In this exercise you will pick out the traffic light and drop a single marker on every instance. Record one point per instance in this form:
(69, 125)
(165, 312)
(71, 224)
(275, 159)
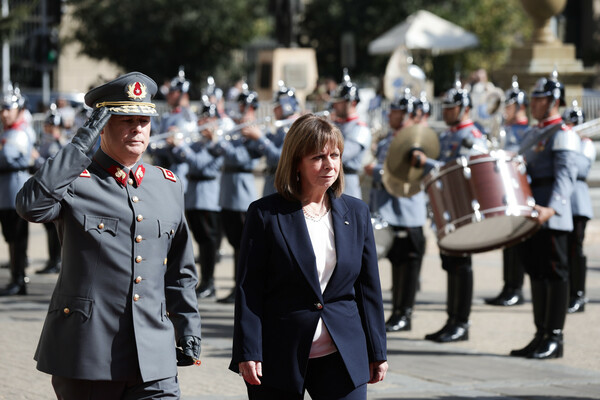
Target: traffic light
(45, 48)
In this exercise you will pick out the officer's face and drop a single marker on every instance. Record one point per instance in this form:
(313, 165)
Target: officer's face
(396, 118)
(9, 116)
(341, 108)
(450, 114)
(510, 113)
(539, 106)
(125, 138)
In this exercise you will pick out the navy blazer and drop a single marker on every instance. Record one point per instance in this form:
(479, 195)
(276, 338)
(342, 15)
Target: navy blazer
(279, 300)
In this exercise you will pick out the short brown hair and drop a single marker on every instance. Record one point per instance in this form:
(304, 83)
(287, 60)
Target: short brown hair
(309, 134)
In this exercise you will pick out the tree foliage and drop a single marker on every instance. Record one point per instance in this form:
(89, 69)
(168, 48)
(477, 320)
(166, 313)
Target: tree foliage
(157, 36)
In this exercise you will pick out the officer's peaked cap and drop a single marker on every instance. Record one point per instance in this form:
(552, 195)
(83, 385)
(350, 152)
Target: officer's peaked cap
(129, 94)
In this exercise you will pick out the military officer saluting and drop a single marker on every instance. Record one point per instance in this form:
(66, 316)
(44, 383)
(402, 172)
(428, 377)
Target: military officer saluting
(357, 135)
(125, 294)
(550, 150)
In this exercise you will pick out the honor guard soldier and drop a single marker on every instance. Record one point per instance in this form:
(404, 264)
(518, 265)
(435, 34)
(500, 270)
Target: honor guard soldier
(202, 194)
(357, 135)
(405, 215)
(51, 141)
(461, 139)
(180, 120)
(516, 124)
(286, 110)
(582, 212)
(238, 188)
(15, 157)
(125, 293)
(550, 150)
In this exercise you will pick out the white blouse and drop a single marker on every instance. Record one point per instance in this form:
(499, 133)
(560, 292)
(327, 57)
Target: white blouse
(323, 243)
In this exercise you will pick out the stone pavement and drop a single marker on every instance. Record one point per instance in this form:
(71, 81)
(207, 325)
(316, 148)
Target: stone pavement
(475, 369)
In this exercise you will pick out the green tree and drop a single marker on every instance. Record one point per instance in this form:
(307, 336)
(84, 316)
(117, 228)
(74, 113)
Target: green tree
(157, 36)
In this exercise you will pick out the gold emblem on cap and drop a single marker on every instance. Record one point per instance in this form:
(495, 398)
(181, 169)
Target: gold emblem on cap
(136, 91)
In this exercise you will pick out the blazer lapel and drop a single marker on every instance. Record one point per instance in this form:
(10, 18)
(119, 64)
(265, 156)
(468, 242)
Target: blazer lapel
(293, 228)
(343, 231)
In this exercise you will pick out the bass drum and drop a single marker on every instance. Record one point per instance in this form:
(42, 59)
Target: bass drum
(481, 203)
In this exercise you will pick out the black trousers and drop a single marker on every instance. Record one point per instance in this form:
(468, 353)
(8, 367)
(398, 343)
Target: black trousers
(80, 389)
(233, 225)
(545, 255)
(206, 228)
(326, 379)
(16, 233)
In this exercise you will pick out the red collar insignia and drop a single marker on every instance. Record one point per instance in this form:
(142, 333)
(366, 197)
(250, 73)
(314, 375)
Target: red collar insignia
(462, 125)
(119, 175)
(550, 121)
(139, 174)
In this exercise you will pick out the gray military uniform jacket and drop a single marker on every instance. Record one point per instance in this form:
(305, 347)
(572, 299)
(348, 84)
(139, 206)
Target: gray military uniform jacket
(357, 139)
(125, 292)
(15, 155)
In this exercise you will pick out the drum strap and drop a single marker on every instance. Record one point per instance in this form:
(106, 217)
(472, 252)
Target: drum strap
(526, 145)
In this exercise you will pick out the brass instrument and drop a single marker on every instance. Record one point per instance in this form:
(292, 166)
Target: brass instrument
(589, 129)
(159, 141)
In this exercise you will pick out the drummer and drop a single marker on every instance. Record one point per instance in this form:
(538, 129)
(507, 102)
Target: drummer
(462, 138)
(550, 150)
(405, 215)
(516, 124)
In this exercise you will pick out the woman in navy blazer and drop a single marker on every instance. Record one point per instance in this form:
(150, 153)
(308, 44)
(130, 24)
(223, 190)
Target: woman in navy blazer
(309, 311)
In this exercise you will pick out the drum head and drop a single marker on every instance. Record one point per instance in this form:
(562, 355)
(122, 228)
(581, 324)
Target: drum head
(488, 234)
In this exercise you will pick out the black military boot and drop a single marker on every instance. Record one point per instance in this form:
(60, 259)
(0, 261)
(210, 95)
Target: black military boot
(551, 345)
(577, 274)
(507, 297)
(405, 278)
(449, 299)
(207, 259)
(538, 300)
(17, 271)
(457, 328)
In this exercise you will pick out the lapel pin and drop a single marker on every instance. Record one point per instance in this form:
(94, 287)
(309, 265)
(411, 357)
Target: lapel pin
(346, 222)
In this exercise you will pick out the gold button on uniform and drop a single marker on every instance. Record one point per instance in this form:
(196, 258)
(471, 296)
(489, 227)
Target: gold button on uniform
(139, 218)
(66, 310)
(165, 262)
(172, 231)
(135, 199)
(138, 259)
(136, 297)
(130, 181)
(100, 225)
(138, 279)
(138, 238)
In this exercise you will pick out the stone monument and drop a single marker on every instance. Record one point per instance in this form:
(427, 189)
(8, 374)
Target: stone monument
(544, 53)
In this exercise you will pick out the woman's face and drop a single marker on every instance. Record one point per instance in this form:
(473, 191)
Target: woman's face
(319, 170)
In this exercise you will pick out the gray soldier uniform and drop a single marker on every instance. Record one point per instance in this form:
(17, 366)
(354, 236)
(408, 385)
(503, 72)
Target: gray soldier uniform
(270, 146)
(125, 292)
(580, 200)
(452, 146)
(514, 135)
(357, 139)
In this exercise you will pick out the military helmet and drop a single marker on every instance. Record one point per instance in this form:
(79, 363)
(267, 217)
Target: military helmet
(179, 83)
(286, 98)
(347, 90)
(574, 114)
(53, 117)
(405, 102)
(550, 87)
(12, 98)
(248, 97)
(515, 94)
(457, 96)
(212, 90)
(421, 103)
(208, 109)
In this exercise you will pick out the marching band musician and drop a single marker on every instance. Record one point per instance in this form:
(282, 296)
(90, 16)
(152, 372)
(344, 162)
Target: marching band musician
(516, 124)
(238, 189)
(582, 212)
(357, 135)
(51, 141)
(461, 139)
(15, 156)
(202, 210)
(550, 150)
(285, 108)
(180, 120)
(405, 215)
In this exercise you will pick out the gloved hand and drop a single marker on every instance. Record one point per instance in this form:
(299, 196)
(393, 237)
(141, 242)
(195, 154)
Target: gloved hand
(87, 135)
(188, 352)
